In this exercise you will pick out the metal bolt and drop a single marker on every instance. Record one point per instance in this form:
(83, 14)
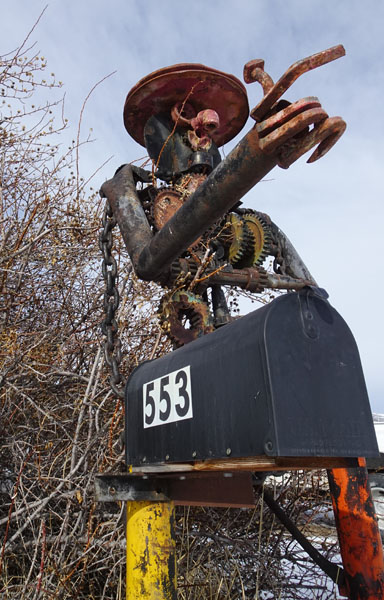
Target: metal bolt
(228, 451)
(268, 446)
(251, 65)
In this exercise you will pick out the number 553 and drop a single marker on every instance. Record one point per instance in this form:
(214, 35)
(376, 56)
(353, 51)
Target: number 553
(167, 399)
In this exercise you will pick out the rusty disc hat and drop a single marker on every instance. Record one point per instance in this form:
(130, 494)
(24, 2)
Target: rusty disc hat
(200, 86)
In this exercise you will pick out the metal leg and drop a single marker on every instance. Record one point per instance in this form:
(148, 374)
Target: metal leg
(151, 559)
(359, 535)
(219, 306)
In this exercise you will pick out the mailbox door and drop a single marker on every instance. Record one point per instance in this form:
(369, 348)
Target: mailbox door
(318, 394)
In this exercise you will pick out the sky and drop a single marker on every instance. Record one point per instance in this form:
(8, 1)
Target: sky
(332, 209)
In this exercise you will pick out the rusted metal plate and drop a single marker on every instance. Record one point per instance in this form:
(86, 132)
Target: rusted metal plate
(213, 489)
(191, 489)
(165, 205)
(128, 488)
(202, 87)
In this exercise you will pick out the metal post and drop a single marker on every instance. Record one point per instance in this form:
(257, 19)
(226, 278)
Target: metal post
(359, 536)
(151, 558)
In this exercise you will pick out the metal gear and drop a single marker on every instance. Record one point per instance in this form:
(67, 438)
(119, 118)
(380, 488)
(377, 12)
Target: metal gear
(180, 310)
(247, 239)
(188, 183)
(237, 238)
(166, 203)
(260, 247)
(164, 206)
(236, 234)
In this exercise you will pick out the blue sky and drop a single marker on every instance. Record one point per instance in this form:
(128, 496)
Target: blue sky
(332, 209)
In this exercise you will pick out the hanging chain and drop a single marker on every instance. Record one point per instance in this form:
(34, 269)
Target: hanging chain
(109, 327)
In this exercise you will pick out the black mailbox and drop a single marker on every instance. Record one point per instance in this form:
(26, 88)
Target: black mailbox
(284, 380)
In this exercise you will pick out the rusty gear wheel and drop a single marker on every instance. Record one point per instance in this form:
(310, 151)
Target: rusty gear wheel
(188, 183)
(246, 239)
(184, 317)
(237, 236)
(165, 205)
(259, 248)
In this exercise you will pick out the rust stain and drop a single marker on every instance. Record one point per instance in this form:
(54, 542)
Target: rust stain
(359, 535)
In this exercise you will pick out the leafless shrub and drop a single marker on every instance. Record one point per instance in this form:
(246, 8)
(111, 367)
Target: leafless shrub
(59, 420)
(236, 554)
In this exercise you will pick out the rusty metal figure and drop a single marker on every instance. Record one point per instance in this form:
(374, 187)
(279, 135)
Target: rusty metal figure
(191, 235)
(191, 231)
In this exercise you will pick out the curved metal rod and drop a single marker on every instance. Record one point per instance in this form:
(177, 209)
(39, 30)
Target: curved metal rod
(294, 126)
(298, 68)
(293, 265)
(326, 134)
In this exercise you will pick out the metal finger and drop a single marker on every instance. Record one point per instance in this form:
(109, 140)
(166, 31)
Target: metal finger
(298, 68)
(285, 114)
(294, 126)
(326, 134)
(254, 71)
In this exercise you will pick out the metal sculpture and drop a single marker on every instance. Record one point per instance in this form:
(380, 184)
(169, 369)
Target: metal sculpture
(190, 233)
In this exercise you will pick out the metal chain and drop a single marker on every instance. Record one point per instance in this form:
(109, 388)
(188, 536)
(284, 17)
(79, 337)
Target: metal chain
(109, 327)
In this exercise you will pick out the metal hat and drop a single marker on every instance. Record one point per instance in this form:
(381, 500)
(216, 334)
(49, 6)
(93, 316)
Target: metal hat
(200, 86)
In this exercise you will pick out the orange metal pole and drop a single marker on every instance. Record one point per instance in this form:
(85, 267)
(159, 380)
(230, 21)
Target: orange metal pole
(359, 536)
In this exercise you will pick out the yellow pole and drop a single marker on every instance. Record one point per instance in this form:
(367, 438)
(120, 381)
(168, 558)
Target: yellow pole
(151, 558)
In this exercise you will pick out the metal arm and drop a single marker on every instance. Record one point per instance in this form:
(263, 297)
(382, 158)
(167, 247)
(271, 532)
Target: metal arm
(130, 216)
(152, 255)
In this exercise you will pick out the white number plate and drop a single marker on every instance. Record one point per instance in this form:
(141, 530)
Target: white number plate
(168, 398)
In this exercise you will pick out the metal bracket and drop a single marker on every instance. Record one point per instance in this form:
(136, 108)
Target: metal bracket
(190, 489)
(227, 489)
